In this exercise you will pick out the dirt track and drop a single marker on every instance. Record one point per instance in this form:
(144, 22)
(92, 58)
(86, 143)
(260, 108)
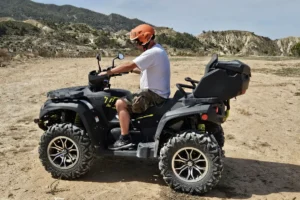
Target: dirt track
(262, 136)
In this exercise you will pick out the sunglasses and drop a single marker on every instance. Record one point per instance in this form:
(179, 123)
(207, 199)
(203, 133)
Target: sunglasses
(137, 42)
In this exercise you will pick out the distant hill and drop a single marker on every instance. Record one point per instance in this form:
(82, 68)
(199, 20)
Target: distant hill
(26, 9)
(238, 43)
(59, 40)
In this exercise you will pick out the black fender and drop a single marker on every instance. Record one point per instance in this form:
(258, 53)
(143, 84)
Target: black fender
(90, 118)
(198, 109)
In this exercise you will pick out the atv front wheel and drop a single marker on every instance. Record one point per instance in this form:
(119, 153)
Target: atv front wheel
(191, 162)
(66, 151)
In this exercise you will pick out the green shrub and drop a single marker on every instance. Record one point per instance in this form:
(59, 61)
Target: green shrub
(180, 41)
(84, 40)
(17, 28)
(104, 41)
(296, 49)
(65, 37)
(4, 57)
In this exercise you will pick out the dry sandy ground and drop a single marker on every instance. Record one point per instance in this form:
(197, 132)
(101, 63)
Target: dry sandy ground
(262, 136)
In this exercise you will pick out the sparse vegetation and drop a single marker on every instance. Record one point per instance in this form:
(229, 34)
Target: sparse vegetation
(84, 40)
(264, 144)
(296, 49)
(180, 41)
(244, 112)
(289, 72)
(104, 41)
(17, 28)
(53, 188)
(4, 57)
(230, 137)
(285, 71)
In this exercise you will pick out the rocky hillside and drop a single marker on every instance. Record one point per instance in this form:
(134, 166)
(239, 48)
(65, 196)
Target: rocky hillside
(286, 44)
(34, 38)
(26, 9)
(245, 43)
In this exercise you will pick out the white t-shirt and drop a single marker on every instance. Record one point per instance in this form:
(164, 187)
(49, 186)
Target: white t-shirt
(155, 70)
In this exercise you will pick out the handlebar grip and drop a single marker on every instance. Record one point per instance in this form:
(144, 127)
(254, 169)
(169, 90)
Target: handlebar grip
(116, 75)
(181, 90)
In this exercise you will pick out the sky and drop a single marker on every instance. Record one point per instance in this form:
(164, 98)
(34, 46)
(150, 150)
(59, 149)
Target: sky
(271, 18)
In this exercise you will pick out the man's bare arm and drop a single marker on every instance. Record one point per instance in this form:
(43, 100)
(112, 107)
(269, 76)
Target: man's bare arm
(126, 67)
(136, 70)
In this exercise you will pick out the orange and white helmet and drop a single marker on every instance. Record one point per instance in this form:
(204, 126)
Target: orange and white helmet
(143, 33)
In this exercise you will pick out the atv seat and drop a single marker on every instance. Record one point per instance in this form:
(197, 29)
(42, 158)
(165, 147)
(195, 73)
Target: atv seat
(159, 109)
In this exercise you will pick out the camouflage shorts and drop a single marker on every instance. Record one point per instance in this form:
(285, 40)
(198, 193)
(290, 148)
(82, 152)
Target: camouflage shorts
(141, 101)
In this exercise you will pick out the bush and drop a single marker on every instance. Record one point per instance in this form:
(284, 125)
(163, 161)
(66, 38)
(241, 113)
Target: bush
(46, 53)
(104, 41)
(17, 28)
(296, 49)
(84, 40)
(4, 57)
(65, 37)
(180, 41)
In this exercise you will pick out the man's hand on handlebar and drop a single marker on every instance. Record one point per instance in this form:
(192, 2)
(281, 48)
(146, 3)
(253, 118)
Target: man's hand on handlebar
(103, 73)
(122, 69)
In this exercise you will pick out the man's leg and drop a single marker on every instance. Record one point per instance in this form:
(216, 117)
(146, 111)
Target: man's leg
(124, 142)
(124, 116)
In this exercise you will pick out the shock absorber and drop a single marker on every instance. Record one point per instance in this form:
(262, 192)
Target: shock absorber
(78, 122)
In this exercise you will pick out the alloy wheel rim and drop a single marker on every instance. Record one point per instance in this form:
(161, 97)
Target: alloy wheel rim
(63, 152)
(189, 164)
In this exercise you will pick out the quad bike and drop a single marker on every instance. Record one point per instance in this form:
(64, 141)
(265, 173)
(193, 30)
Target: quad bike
(184, 133)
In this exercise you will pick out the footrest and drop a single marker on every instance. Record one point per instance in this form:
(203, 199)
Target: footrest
(145, 150)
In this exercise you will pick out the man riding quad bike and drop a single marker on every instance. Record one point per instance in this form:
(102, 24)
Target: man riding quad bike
(184, 132)
(154, 66)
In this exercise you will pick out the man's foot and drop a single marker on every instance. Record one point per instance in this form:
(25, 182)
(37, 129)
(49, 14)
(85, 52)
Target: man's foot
(124, 142)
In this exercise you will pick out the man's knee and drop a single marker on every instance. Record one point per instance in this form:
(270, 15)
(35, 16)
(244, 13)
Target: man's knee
(121, 104)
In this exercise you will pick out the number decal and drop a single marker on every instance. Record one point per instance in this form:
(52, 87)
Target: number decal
(106, 98)
(110, 102)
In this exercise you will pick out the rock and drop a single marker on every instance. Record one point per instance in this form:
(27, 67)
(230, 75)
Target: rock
(17, 57)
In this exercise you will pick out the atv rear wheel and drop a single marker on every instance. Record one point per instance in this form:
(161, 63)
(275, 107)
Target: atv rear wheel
(66, 151)
(191, 162)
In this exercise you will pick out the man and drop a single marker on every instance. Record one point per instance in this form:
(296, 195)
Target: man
(154, 66)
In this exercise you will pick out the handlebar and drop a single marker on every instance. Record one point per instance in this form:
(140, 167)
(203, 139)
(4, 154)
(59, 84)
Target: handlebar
(120, 74)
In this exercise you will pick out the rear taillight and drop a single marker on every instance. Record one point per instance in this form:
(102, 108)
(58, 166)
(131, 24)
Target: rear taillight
(204, 117)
